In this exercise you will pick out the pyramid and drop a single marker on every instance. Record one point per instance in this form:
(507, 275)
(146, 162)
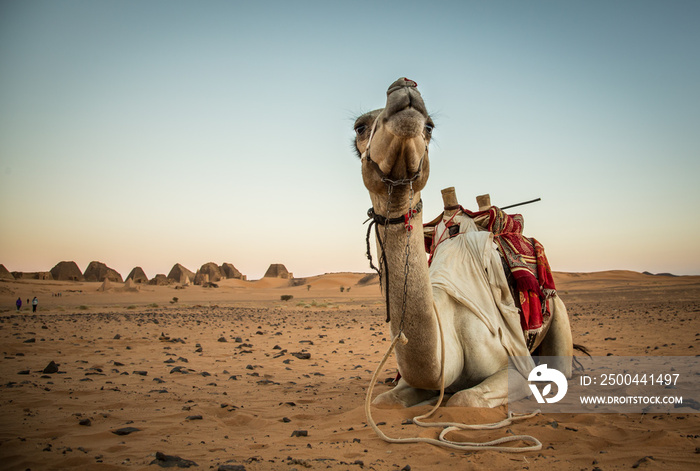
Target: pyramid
(130, 285)
(98, 271)
(5, 273)
(137, 275)
(209, 270)
(106, 285)
(178, 274)
(201, 278)
(229, 271)
(67, 271)
(277, 270)
(159, 280)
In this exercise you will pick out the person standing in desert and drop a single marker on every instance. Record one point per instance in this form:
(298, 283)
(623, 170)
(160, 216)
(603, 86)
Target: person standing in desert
(35, 303)
(19, 304)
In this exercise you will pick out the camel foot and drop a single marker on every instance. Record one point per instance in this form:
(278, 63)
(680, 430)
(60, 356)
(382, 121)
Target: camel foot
(472, 398)
(388, 400)
(403, 395)
(491, 392)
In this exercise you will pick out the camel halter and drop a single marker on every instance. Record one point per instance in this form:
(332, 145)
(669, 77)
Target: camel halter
(407, 84)
(389, 182)
(494, 445)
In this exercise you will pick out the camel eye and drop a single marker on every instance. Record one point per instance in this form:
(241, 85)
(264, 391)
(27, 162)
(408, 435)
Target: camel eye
(360, 129)
(429, 128)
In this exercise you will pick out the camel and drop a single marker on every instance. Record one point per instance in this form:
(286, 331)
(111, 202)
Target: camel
(393, 146)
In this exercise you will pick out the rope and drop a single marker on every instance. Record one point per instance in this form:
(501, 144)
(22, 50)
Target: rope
(494, 445)
(376, 220)
(382, 262)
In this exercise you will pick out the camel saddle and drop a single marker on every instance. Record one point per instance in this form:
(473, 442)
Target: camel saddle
(524, 262)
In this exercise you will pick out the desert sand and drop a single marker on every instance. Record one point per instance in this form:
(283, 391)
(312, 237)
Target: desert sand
(235, 378)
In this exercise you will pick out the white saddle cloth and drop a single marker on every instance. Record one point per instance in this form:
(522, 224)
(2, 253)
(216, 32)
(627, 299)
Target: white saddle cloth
(468, 268)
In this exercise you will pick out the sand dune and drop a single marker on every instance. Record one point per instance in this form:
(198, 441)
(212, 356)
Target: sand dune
(235, 376)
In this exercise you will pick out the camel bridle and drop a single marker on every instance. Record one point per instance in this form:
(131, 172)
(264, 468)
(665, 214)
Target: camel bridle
(388, 181)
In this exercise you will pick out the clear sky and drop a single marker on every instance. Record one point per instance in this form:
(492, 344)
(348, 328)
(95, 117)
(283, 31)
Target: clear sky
(155, 132)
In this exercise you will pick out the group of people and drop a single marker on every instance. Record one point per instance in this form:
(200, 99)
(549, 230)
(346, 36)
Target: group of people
(35, 303)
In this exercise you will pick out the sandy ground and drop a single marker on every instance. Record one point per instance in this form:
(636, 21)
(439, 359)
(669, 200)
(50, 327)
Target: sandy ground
(234, 378)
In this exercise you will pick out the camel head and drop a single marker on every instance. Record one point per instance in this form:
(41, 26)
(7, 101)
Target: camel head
(392, 142)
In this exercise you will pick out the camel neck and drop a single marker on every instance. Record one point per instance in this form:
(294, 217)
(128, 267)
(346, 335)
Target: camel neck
(405, 249)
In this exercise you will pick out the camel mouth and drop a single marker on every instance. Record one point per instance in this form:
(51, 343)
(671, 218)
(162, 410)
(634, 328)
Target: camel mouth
(407, 123)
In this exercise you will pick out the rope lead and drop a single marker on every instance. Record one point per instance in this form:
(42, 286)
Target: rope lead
(493, 445)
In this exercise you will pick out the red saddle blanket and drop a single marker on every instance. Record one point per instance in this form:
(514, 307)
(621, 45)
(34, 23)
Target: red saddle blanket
(524, 257)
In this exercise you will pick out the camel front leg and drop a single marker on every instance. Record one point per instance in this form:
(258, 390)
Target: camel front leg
(491, 392)
(403, 395)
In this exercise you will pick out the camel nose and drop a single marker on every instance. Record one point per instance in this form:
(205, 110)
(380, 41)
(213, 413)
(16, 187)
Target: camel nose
(403, 94)
(403, 82)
